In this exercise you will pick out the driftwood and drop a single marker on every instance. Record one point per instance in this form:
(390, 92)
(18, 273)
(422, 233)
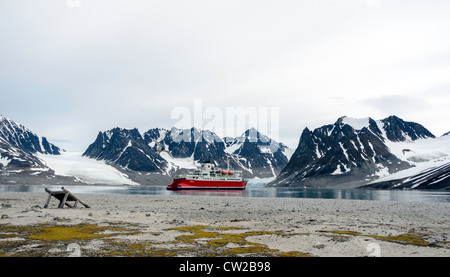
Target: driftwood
(64, 196)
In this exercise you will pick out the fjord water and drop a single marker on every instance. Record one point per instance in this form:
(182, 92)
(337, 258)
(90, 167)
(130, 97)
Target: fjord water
(252, 191)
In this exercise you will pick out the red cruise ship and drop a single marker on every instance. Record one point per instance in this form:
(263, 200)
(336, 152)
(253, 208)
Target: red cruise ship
(209, 177)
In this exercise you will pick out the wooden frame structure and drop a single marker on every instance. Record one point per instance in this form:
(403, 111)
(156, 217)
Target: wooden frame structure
(63, 196)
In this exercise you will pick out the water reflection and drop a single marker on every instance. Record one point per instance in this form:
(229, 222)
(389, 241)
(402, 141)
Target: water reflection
(358, 194)
(383, 195)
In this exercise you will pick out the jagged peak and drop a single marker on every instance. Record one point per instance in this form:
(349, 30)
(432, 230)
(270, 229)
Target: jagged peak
(5, 120)
(122, 132)
(393, 117)
(392, 126)
(254, 135)
(20, 136)
(193, 135)
(397, 129)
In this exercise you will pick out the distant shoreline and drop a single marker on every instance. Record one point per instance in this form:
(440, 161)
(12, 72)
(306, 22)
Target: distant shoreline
(250, 192)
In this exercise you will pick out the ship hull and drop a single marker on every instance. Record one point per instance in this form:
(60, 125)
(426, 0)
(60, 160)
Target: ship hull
(205, 184)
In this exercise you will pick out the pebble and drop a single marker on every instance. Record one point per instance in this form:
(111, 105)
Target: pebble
(433, 244)
(319, 246)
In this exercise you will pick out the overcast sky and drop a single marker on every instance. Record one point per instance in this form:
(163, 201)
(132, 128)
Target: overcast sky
(72, 68)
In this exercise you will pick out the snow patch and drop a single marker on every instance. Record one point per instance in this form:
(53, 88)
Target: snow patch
(356, 123)
(382, 171)
(344, 151)
(416, 169)
(177, 163)
(4, 161)
(265, 149)
(232, 148)
(421, 150)
(337, 171)
(87, 170)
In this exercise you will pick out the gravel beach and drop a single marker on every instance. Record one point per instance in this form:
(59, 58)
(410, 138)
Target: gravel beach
(201, 226)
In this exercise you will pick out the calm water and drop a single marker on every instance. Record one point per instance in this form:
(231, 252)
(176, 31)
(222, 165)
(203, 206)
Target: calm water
(384, 195)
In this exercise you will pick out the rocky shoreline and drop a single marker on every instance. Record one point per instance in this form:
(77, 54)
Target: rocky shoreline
(204, 226)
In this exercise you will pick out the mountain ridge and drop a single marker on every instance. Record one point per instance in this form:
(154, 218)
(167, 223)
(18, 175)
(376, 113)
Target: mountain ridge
(176, 149)
(389, 153)
(351, 152)
(18, 145)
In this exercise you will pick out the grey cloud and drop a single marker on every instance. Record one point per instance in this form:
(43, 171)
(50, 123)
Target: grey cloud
(395, 104)
(129, 63)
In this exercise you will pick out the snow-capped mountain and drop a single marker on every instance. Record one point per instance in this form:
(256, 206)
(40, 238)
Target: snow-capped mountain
(432, 176)
(72, 168)
(19, 146)
(254, 153)
(126, 148)
(352, 152)
(186, 148)
(28, 159)
(259, 154)
(388, 153)
(430, 160)
(168, 151)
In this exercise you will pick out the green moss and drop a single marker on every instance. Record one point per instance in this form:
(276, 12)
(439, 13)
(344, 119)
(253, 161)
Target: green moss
(52, 240)
(36, 240)
(411, 238)
(9, 231)
(5, 246)
(123, 248)
(68, 232)
(256, 250)
(197, 233)
(351, 233)
(217, 242)
(408, 238)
